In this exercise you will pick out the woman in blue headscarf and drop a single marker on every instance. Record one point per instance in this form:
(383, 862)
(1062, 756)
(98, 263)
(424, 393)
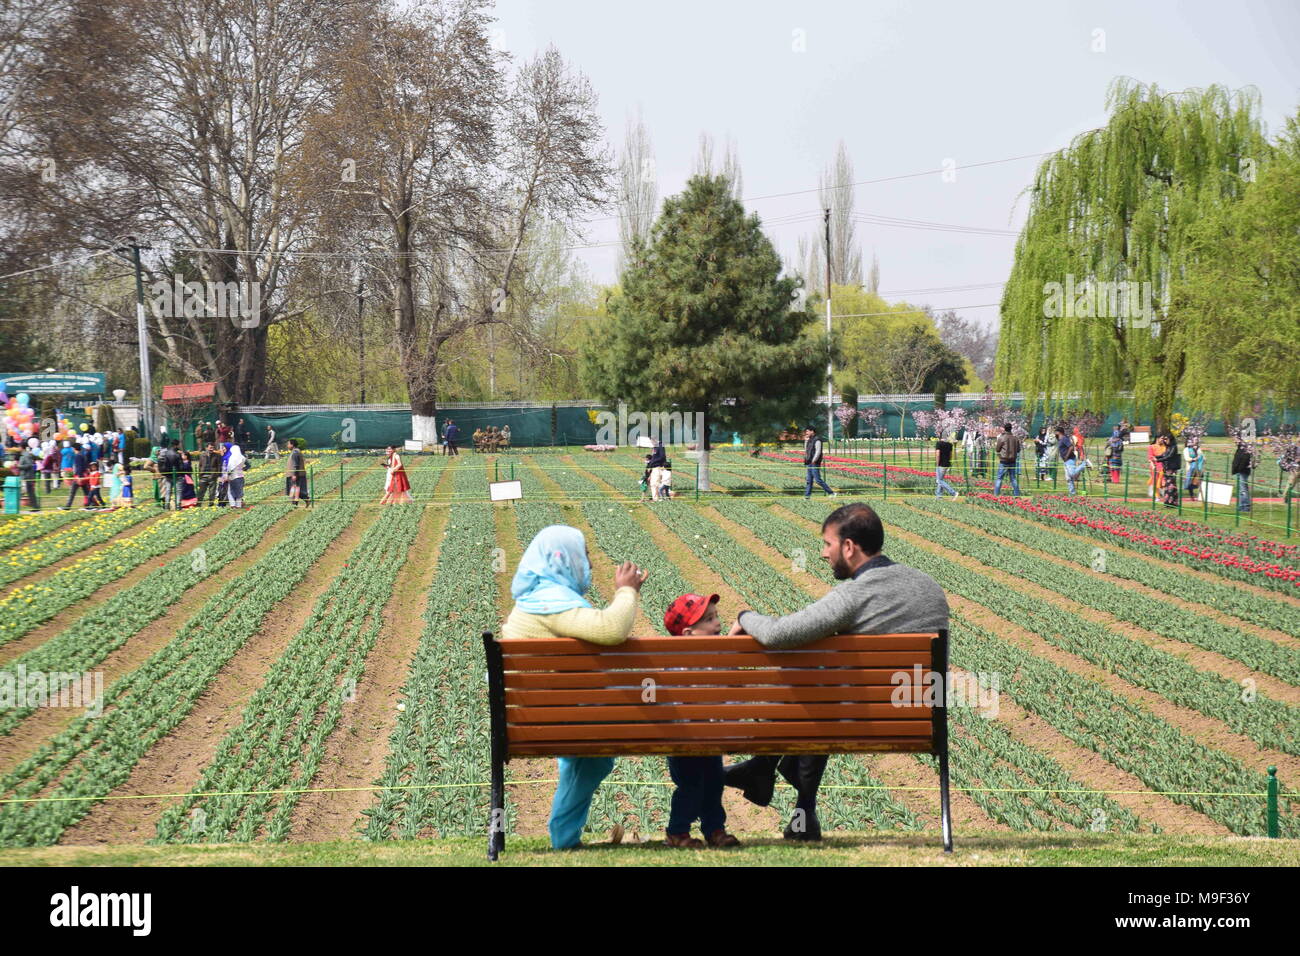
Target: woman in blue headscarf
(549, 587)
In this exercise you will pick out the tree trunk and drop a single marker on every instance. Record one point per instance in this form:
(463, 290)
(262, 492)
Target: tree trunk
(704, 446)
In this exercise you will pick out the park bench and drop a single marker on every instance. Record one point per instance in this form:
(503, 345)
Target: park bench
(688, 696)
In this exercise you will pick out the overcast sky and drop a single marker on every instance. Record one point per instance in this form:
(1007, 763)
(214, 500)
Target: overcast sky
(908, 87)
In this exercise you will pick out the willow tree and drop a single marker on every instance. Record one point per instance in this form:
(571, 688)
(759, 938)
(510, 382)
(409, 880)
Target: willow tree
(1087, 308)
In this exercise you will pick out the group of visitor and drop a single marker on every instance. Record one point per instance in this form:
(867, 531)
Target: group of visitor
(491, 439)
(874, 596)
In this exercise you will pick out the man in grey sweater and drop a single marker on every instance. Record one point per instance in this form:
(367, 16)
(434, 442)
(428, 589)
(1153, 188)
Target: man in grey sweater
(874, 596)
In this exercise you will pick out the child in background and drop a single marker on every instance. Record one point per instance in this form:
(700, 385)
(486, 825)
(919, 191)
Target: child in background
(115, 486)
(645, 479)
(94, 477)
(128, 498)
(697, 780)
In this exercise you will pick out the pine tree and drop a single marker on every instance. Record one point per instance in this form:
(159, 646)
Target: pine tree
(704, 323)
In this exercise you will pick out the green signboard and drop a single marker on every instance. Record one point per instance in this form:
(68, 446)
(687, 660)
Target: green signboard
(53, 383)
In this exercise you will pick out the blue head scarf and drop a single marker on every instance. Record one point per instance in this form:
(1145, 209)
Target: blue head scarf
(554, 573)
(225, 458)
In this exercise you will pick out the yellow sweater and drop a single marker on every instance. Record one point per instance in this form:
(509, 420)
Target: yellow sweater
(608, 626)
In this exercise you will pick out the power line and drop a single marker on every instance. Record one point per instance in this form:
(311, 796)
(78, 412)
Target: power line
(56, 265)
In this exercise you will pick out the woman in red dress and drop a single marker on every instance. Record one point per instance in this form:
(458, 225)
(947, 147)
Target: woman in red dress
(397, 487)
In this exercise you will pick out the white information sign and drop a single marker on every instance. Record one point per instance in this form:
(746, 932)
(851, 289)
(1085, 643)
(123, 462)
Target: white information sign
(505, 490)
(1217, 493)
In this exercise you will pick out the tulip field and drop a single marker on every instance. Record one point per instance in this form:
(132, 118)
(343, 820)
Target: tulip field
(275, 675)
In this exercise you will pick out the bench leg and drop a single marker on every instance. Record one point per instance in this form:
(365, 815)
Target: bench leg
(944, 809)
(497, 826)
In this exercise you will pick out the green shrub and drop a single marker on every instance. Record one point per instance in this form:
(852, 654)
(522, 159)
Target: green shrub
(140, 447)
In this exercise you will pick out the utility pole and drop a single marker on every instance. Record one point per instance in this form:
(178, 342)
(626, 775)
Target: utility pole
(361, 328)
(830, 409)
(142, 335)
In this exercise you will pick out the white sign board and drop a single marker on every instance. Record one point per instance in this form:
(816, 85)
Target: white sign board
(644, 441)
(505, 490)
(1139, 438)
(1217, 493)
(412, 445)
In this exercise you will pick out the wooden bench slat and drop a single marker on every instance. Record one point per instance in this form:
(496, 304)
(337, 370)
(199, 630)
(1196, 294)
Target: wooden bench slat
(782, 659)
(721, 677)
(839, 729)
(740, 642)
(696, 695)
(581, 748)
(659, 712)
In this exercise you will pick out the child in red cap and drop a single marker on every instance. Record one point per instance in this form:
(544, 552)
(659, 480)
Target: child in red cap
(698, 780)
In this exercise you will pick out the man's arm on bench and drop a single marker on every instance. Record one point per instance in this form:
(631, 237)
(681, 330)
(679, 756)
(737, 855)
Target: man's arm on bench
(833, 614)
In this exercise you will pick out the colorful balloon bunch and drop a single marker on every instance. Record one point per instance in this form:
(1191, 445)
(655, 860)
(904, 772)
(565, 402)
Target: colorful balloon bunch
(20, 420)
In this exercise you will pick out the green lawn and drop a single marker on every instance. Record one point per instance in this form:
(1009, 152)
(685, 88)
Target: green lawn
(847, 849)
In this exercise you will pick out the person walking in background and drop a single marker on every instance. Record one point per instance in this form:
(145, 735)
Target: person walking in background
(186, 498)
(942, 464)
(169, 462)
(94, 478)
(232, 469)
(1040, 449)
(298, 474)
(1152, 469)
(812, 462)
(78, 479)
(272, 452)
(50, 466)
(397, 487)
(1171, 462)
(1066, 452)
(128, 492)
(67, 458)
(209, 471)
(28, 465)
(1241, 467)
(453, 436)
(1115, 455)
(1008, 449)
(1195, 468)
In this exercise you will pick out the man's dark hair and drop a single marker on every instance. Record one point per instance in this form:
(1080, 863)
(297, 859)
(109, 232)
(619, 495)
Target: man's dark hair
(1060, 430)
(858, 523)
(1006, 427)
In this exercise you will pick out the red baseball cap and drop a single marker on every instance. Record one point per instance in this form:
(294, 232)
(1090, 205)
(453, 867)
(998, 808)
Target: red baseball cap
(686, 611)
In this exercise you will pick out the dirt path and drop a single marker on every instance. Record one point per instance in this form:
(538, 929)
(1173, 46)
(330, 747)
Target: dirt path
(1095, 772)
(355, 751)
(1205, 730)
(45, 722)
(176, 763)
(1205, 610)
